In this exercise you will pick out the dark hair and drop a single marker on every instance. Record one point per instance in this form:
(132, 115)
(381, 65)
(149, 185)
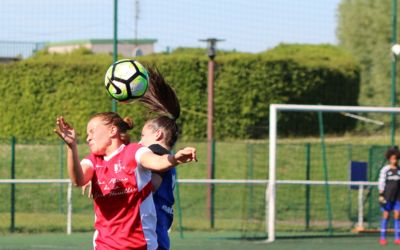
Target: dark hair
(392, 151)
(169, 127)
(160, 98)
(123, 125)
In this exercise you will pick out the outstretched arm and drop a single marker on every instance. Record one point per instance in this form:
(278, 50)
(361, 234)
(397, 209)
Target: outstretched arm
(79, 174)
(382, 179)
(155, 162)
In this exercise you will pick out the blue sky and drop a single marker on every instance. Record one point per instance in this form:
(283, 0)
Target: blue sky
(247, 25)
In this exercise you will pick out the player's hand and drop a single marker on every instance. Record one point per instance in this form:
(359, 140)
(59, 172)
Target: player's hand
(65, 131)
(185, 155)
(382, 199)
(88, 187)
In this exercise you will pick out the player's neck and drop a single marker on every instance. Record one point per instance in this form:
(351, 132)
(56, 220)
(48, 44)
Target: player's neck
(113, 147)
(164, 146)
(393, 166)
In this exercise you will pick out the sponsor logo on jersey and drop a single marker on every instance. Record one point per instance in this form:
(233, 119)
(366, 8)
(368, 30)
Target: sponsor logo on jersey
(118, 167)
(394, 178)
(115, 180)
(168, 210)
(115, 192)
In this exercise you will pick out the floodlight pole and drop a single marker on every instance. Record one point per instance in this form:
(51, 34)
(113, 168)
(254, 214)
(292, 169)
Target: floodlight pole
(115, 47)
(211, 45)
(393, 74)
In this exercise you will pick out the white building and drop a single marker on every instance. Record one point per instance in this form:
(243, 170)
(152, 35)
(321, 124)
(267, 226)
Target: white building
(126, 47)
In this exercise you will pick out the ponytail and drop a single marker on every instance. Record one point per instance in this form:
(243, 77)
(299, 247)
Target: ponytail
(124, 133)
(161, 99)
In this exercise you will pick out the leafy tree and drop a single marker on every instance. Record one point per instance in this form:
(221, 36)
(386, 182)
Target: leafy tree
(364, 29)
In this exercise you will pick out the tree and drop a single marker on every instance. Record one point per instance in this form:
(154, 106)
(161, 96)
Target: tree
(364, 29)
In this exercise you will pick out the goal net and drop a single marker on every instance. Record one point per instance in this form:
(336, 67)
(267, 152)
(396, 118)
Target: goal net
(310, 190)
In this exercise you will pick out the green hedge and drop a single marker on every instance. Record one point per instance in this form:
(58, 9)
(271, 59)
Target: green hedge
(36, 90)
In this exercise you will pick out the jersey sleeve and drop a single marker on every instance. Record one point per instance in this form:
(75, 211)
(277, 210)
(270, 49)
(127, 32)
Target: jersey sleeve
(382, 179)
(139, 153)
(89, 160)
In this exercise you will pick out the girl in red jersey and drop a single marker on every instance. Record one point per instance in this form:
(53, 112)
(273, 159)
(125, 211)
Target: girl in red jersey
(120, 173)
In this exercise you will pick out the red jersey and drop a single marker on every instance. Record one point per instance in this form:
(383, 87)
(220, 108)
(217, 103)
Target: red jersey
(123, 202)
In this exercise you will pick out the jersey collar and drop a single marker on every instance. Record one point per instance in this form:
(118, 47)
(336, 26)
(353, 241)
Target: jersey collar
(108, 157)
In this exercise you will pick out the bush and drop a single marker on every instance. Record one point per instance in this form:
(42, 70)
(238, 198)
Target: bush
(37, 90)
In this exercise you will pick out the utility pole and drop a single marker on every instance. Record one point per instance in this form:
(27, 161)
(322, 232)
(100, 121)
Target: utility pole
(211, 45)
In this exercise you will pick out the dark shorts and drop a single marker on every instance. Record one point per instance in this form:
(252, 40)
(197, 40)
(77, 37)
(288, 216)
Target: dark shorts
(390, 206)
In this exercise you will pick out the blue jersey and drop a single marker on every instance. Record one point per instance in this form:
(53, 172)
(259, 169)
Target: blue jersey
(164, 201)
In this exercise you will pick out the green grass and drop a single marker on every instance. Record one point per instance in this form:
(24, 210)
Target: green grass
(47, 222)
(192, 241)
(238, 208)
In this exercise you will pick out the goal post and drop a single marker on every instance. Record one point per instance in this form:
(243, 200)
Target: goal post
(273, 130)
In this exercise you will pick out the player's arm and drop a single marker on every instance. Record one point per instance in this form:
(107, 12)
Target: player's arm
(155, 162)
(382, 184)
(79, 174)
(382, 180)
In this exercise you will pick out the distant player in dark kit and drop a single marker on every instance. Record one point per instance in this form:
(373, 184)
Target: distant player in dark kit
(389, 194)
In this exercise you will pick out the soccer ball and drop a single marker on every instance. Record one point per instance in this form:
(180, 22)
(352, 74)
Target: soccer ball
(126, 80)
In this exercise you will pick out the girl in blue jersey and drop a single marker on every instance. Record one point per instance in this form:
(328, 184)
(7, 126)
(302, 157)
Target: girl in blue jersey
(163, 192)
(160, 134)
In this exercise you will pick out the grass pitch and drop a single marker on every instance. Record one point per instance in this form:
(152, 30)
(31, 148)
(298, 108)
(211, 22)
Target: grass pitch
(193, 241)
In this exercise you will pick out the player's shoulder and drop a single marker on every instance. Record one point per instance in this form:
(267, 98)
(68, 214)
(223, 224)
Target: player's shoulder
(91, 157)
(133, 146)
(385, 168)
(90, 160)
(158, 149)
(136, 149)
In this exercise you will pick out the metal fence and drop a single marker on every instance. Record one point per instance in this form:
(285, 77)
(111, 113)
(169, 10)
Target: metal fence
(239, 189)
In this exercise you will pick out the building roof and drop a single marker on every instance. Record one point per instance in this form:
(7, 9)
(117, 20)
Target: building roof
(103, 41)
